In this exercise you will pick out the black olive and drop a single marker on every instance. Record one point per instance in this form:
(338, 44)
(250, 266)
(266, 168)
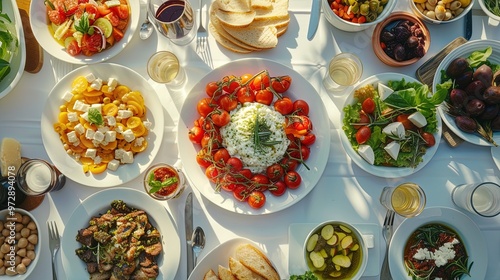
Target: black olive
(412, 42)
(386, 36)
(399, 53)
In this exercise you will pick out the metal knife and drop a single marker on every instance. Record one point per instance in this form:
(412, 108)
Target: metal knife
(314, 19)
(188, 223)
(468, 25)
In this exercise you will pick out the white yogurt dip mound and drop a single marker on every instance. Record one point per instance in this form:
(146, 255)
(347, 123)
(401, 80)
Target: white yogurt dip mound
(240, 140)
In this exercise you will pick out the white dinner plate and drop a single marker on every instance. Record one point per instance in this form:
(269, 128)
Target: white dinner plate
(39, 25)
(17, 63)
(464, 51)
(463, 225)
(125, 172)
(219, 256)
(97, 204)
(385, 171)
(300, 89)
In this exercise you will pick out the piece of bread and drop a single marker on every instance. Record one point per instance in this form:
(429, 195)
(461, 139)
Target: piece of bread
(10, 156)
(262, 37)
(235, 19)
(255, 260)
(262, 4)
(225, 273)
(228, 44)
(210, 275)
(278, 11)
(242, 272)
(240, 6)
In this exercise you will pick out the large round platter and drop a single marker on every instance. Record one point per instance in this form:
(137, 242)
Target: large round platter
(96, 204)
(219, 256)
(126, 172)
(300, 89)
(39, 25)
(464, 51)
(384, 171)
(469, 232)
(18, 61)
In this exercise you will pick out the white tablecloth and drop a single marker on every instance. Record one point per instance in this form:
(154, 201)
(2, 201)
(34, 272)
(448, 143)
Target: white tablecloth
(344, 191)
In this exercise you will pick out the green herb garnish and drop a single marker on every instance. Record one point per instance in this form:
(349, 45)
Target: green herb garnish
(308, 275)
(47, 2)
(262, 135)
(158, 185)
(95, 117)
(83, 24)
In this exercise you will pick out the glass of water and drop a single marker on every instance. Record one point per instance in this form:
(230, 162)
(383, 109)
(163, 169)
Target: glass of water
(479, 198)
(164, 67)
(344, 70)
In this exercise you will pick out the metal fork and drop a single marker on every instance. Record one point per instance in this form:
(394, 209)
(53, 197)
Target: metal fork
(54, 243)
(387, 230)
(202, 47)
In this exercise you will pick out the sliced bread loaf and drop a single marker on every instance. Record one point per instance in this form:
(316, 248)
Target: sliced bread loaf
(255, 260)
(278, 11)
(235, 19)
(210, 275)
(228, 44)
(262, 37)
(242, 272)
(240, 6)
(225, 273)
(262, 4)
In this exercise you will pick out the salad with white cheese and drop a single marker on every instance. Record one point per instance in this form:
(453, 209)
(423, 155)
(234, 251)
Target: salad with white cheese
(9, 43)
(392, 124)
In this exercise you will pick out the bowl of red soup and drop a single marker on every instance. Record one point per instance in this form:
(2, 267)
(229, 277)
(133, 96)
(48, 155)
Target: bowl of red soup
(163, 182)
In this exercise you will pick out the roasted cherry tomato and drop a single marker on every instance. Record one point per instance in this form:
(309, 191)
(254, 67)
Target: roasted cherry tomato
(256, 199)
(205, 106)
(308, 139)
(300, 107)
(260, 82)
(281, 84)
(203, 158)
(244, 95)
(234, 164)
(240, 193)
(228, 182)
(264, 96)
(363, 134)
(278, 188)
(368, 105)
(284, 106)
(363, 120)
(212, 173)
(245, 78)
(228, 102)
(196, 134)
(231, 86)
(221, 156)
(213, 89)
(292, 179)
(429, 139)
(275, 172)
(220, 117)
(260, 182)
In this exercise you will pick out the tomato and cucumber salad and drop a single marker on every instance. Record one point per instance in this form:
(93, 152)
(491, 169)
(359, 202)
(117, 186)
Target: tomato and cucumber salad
(392, 125)
(228, 170)
(87, 26)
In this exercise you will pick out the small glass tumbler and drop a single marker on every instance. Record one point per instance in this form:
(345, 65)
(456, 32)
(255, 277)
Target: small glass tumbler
(407, 199)
(164, 67)
(174, 19)
(479, 198)
(164, 182)
(344, 70)
(37, 177)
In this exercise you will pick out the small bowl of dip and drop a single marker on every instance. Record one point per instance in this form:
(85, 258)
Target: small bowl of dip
(163, 181)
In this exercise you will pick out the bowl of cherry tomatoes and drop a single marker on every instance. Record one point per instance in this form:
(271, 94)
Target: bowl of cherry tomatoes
(253, 145)
(359, 15)
(84, 31)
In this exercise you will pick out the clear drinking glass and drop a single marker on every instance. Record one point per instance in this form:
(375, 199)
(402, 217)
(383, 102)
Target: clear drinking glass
(344, 70)
(37, 177)
(407, 199)
(164, 67)
(174, 19)
(479, 198)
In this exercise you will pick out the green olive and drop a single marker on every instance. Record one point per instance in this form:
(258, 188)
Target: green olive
(355, 8)
(364, 9)
(374, 5)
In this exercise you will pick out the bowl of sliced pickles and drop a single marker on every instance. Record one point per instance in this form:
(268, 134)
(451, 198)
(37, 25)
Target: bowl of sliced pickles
(336, 250)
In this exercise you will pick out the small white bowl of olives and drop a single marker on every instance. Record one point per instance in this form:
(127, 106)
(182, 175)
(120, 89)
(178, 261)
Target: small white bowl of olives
(19, 243)
(336, 250)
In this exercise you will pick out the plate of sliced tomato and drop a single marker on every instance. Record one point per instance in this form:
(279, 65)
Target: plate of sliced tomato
(226, 176)
(84, 31)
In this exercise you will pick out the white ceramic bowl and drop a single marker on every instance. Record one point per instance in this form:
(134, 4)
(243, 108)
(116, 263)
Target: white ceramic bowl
(425, 18)
(4, 214)
(354, 27)
(464, 51)
(362, 246)
(494, 19)
(39, 25)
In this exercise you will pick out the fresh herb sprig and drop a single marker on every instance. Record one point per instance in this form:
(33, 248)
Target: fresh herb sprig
(157, 185)
(308, 275)
(262, 135)
(95, 117)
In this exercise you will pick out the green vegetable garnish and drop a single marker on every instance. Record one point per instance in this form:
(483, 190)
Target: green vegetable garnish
(95, 117)
(47, 2)
(308, 275)
(158, 185)
(8, 43)
(83, 24)
(261, 135)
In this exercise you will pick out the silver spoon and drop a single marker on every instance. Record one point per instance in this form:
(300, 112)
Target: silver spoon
(197, 242)
(146, 28)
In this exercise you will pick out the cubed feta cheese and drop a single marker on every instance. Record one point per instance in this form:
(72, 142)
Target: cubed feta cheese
(80, 106)
(96, 84)
(128, 135)
(67, 96)
(138, 142)
(89, 134)
(113, 164)
(91, 153)
(72, 116)
(418, 119)
(90, 77)
(147, 124)
(123, 114)
(72, 136)
(112, 3)
(98, 136)
(111, 120)
(112, 83)
(80, 129)
(128, 157)
(119, 153)
(366, 152)
(103, 129)
(393, 149)
(384, 91)
(110, 136)
(97, 159)
(97, 106)
(395, 129)
(85, 116)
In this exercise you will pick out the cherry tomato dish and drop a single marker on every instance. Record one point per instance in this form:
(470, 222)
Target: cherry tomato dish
(252, 136)
(87, 26)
